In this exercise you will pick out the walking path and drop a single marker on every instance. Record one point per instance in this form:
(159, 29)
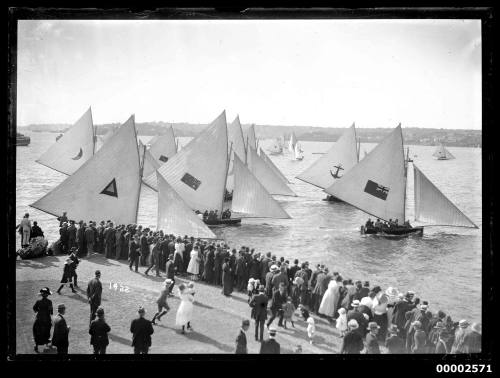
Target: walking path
(216, 318)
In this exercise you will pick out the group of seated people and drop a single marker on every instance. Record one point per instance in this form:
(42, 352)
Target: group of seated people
(391, 224)
(213, 215)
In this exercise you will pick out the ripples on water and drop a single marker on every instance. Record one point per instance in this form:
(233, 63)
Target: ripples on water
(443, 266)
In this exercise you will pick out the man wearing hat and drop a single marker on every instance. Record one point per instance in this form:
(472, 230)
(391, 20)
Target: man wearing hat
(352, 342)
(100, 237)
(109, 240)
(64, 237)
(134, 253)
(163, 307)
(155, 257)
(270, 346)
(43, 322)
(94, 292)
(394, 343)
(61, 331)
(259, 312)
(99, 333)
(62, 219)
(80, 239)
(269, 278)
(279, 298)
(67, 275)
(141, 330)
(90, 238)
(371, 341)
(71, 234)
(170, 271)
(399, 311)
(76, 261)
(241, 339)
(144, 248)
(357, 315)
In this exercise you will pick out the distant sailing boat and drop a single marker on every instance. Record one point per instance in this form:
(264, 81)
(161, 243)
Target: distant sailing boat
(291, 143)
(251, 137)
(198, 173)
(161, 148)
(297, 152)
(377, 186)
(73, 148)
(107, 186)
(237, 146)
(334, 164)
(442, 153)
(273, 167)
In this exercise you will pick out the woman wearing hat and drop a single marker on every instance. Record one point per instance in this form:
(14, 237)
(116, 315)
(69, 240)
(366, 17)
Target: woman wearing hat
(227, 278)
(67, 275)
(185, 310)
(43, 322)
(352, 342)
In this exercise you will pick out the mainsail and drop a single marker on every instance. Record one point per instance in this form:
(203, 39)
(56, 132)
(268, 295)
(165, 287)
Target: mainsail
(164, 146)
(271, 165)
(273, 183)
(339, 159)
(235, 139)
(432, 206)
(198, 171)
(297, 152)
(250, 197)
(377, 183)
(292, 142)
(442, 153)
(150, 163)
(73, 149)
(174, 215)
(107, 186)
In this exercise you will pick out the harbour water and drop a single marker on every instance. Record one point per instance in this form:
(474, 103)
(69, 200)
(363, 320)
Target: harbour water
(442, 267)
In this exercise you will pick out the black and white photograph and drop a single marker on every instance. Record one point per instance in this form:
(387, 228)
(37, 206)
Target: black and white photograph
(194, 185)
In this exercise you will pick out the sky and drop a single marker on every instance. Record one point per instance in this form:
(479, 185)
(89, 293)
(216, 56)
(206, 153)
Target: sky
(326, 73)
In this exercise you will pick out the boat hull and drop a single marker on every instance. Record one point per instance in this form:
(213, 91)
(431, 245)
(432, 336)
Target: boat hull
(332, 199)
(23, 141)
(418, 231)
(223, 222)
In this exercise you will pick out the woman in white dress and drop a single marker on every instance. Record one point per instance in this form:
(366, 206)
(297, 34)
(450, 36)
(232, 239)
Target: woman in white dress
(185, 310)
(329, 303)
(25, 230)
(194, 263)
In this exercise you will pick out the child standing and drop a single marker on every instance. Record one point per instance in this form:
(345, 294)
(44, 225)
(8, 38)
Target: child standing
(311, 329)
(342, 322)
(288, 311)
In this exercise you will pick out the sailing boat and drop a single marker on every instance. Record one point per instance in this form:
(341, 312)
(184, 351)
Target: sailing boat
(251, 137)
(298, 153)
(198, 173)
(334, 164)
(291, 143)
(107, 186)
(273, 167)
(377, 186)
(73, 149)
(237, 145)
(442, 153)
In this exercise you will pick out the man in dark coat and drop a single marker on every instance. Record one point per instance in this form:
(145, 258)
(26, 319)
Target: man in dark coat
(363, 291)
(155, 258)
(94, 293)
(62, 219)
(133, 253)
(109, 241)
(352, 342)
(291, 273)
(170, 271)
(270, 346)
(164, 252)
(394, 343)
(254, 268)
(64, 238)
(319, 290)
(241, 283)
(268, 281)
(356, 314)
(241, 339)
(144, 248)
(80, 240)
(36, 231)
(264, 266)
(99, 333)
(61, 331)
(186, 255)
(281, 278)
(218, 261)
(141, 330)
(278, 300)
(259, 312)
(398, 314)
(208, 270)
(90, 238)
(71, 235)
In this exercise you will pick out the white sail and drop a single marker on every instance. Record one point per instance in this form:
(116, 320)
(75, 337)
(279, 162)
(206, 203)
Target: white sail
(198, 171)
(339, 159)
(163, 147)
(377, 183)
(442, 153)
(250, 197)
(106, 187)
(273, 183)
(297, 152)
(292, 142)
(150, 163)
(237, 144)
(73, 149)
(432, 206)
(251, 139)
(271, 165)
(174, 215)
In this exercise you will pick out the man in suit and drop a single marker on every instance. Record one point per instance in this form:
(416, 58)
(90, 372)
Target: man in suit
(64, 238)
(264, 266)
(371, 340)
(99, 333)
(61, 331)
(170, 271)
(133, 253)
(278, 300)
(62, 219)
(94, 292)
(80, 239)
(291, 274)
(141, 330)
(90, 238)
(270, 346)
(144, 248)
(71, 235)
(356, 314)
(319, 289)
(241, 284)
(281, 278)
(109, 240)
(259, 312)
(241, 339)
(100, 237)
(353, 341)
(155, 258)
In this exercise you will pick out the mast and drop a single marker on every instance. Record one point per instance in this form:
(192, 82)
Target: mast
(405, 165)
(225, 180)
(141, 169)
(94, 137)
